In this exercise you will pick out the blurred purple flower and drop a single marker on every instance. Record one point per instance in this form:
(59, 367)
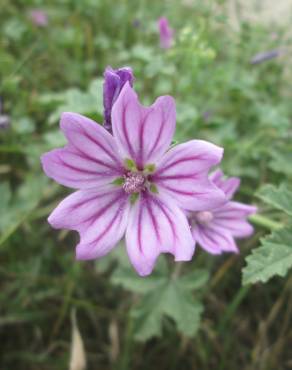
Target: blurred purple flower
(165, 33)
(265, 56)
(137, 23)
(207, 115)
(216, 229)
(39, 17)
(4, 122)
(4, 119)
(114, 80)
(131, 183)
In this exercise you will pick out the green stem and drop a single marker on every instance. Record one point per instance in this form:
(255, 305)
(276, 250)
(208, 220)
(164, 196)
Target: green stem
(265, 222)
(125, 359)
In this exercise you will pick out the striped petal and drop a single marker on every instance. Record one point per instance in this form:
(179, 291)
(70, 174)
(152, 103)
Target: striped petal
(183, 174)
(99, 217)
(214, 239)
(143, 134)
(229, 186)
(232, 217)
(157, 226)
(90, 158)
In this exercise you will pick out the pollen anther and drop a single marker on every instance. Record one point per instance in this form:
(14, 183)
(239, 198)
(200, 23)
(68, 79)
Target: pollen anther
(134, 182)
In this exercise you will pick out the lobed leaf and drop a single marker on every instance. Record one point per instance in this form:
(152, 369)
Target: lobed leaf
(274, 257)
(280, 197)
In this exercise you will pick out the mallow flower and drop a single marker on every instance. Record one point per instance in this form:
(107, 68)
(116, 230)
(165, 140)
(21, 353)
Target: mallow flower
(216, 229)
(165, 33)
(39, 17)
(133, 182)
(4, 119)
(114, 81)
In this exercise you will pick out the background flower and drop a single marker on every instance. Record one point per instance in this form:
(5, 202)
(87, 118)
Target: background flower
(165, 33)
(216, 229)
(114, 80)
(39, 17)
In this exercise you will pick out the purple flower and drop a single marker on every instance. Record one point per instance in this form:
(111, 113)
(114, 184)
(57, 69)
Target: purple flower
(39, 17)
(131, 182)
(136, 23)
(165, 32)
(4, 119)
(265, 56)
(114, 80)
(216, 229)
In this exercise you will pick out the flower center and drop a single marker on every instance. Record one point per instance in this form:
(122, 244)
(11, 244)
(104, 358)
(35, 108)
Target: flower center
(134, 182)
(204, 217)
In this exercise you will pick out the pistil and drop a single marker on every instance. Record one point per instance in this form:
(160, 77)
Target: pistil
(134, 182)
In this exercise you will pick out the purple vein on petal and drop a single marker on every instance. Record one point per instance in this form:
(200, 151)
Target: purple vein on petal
(139, 228)
(88, 172)
(95, 141)
(152, 217)
(140, 158)
(178, 161)
(101, 211)
(131, 150)
(110, 224)
(157, 137)
(174, 177)
(183, 192)
(161, 207)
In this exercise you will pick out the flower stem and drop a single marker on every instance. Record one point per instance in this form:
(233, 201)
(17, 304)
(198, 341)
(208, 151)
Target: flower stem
(265, 222)
(125, 358)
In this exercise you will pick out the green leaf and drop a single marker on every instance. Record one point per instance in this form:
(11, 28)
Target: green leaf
(128, 278)
(14, 213)
(164, 295)
(281, 161)
(5, 196)
(195, 279)
(274, 257)
(280, 197)
(170, 298)
(75, 100)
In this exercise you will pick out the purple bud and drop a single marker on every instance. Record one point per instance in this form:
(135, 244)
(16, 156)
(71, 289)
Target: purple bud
(114, 80)
(165, 33)
(136, 23)
(39, 17)
(207, 115)
(264, 56)
(4, 122)
(4, 119)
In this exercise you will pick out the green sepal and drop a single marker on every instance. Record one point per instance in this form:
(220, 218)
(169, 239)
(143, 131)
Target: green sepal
(119, 181)
(130, 164)
(134, 197)
(150, 167)
(153, 188)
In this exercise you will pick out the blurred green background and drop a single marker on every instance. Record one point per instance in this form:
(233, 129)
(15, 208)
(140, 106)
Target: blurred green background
(226, 93)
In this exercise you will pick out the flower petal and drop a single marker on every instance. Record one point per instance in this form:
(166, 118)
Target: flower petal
(89, 160)
(232, 217)
(157, 226)
(183, 174)
(229, 186)
(143, 134)
(214, 240)
(99, 216)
